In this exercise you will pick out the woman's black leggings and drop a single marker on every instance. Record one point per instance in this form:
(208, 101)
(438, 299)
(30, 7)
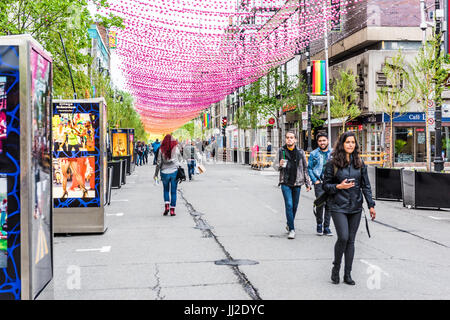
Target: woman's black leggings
(346, 227)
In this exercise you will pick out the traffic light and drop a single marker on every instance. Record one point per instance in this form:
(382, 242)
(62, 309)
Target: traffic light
(224, 124)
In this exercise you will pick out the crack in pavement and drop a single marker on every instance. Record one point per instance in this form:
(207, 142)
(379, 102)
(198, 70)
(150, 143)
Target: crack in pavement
(413, 234)
(158, 287)
(243, 280)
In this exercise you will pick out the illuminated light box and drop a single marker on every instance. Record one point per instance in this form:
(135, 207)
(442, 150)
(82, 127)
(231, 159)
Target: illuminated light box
(26, 235)
(79, 165)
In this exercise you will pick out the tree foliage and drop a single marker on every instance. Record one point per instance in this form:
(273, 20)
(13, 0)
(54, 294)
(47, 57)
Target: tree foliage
(344, 103)
(267, 96)
(428, 80)
(121, 113)
(45, 20)
(394, 97)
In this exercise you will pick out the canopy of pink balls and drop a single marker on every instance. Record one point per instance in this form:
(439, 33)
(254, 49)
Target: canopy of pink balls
(180, 56)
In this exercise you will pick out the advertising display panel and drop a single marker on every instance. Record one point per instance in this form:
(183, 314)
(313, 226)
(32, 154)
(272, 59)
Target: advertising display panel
(122, 148)
(26, 235)
(120, 142)
(41, 225)
(131, 143)
(76, 155)
(79, 165)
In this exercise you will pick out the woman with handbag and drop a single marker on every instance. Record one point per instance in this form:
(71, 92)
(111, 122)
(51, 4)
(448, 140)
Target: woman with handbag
(346, 181)
(168, 162)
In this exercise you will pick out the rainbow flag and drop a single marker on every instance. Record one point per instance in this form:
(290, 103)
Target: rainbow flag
(206, 120)
(319, 73)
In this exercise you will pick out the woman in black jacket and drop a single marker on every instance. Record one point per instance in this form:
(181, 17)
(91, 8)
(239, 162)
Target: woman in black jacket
(346, 181)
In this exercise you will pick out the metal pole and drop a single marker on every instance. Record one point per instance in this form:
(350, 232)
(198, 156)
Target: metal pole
(423, 26)
(308, 81)
(68, 65)
(438, 161)
(327, 72)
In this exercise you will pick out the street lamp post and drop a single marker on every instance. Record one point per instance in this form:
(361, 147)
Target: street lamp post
(68, 65)
(308, 81)
(327, 71)
(438, 161)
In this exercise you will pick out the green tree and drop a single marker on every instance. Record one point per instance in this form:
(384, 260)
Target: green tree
(394, 97)
(43, 19)
(344, 103)
(266, 98)
(428, 80)
(122, 114)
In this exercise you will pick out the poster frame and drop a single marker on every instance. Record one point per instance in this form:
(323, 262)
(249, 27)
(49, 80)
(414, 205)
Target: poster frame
(76, 220)
(22, 286)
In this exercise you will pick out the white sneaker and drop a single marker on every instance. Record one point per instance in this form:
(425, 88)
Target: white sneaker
(291, 234)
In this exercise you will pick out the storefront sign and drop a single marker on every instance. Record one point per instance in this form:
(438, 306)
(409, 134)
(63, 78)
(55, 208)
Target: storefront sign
(304, 120)
(289, 108)
(411, 117)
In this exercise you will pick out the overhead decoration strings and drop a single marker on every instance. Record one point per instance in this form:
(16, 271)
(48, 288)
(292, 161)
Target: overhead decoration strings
(180, 56)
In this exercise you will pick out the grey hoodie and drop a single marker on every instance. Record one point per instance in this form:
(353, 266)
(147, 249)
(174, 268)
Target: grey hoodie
(171, 165)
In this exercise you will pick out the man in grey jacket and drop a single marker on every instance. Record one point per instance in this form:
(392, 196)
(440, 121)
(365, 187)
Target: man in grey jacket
(293, 169)
(190, 154)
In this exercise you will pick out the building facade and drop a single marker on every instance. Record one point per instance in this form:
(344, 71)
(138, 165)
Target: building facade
(370, 33)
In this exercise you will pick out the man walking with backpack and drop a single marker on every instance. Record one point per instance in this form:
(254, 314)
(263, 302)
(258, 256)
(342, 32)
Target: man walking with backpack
(293, 174)
(316, 164)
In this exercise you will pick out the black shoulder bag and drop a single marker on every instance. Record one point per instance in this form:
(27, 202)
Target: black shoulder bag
(181, 175)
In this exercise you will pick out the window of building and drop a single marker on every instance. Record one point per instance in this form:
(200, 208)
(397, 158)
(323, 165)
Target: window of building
(404, 144)
(445, 144)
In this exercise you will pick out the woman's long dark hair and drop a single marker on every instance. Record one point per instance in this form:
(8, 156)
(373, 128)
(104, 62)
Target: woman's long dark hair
(340, 156)
(167, 145)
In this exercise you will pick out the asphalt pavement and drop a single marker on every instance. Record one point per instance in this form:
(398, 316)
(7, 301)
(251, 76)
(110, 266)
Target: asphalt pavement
(233, 214)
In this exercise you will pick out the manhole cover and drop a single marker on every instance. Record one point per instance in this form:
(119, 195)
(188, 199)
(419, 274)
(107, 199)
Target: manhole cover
(238, 262)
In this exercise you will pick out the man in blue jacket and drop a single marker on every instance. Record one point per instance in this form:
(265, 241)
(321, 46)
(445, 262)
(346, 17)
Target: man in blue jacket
(316, 163)
(155, 146)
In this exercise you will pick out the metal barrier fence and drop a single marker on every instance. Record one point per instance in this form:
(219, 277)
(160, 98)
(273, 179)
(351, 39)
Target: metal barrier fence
(263, 159)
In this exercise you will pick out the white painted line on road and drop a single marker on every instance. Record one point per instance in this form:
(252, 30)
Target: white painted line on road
(272, 209)
(102, 249)
(269, 173)
(438, 218)
(119, 200)
(120, 214)
(374, 267)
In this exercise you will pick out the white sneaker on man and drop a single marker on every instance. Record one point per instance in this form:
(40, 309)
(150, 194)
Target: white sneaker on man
(291, 234)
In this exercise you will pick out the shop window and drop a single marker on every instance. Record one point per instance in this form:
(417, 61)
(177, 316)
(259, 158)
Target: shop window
(404, 144)
(421, 145)
(446, 143)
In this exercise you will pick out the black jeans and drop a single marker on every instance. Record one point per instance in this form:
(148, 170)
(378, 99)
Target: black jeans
(346, 228)
(321, 218)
